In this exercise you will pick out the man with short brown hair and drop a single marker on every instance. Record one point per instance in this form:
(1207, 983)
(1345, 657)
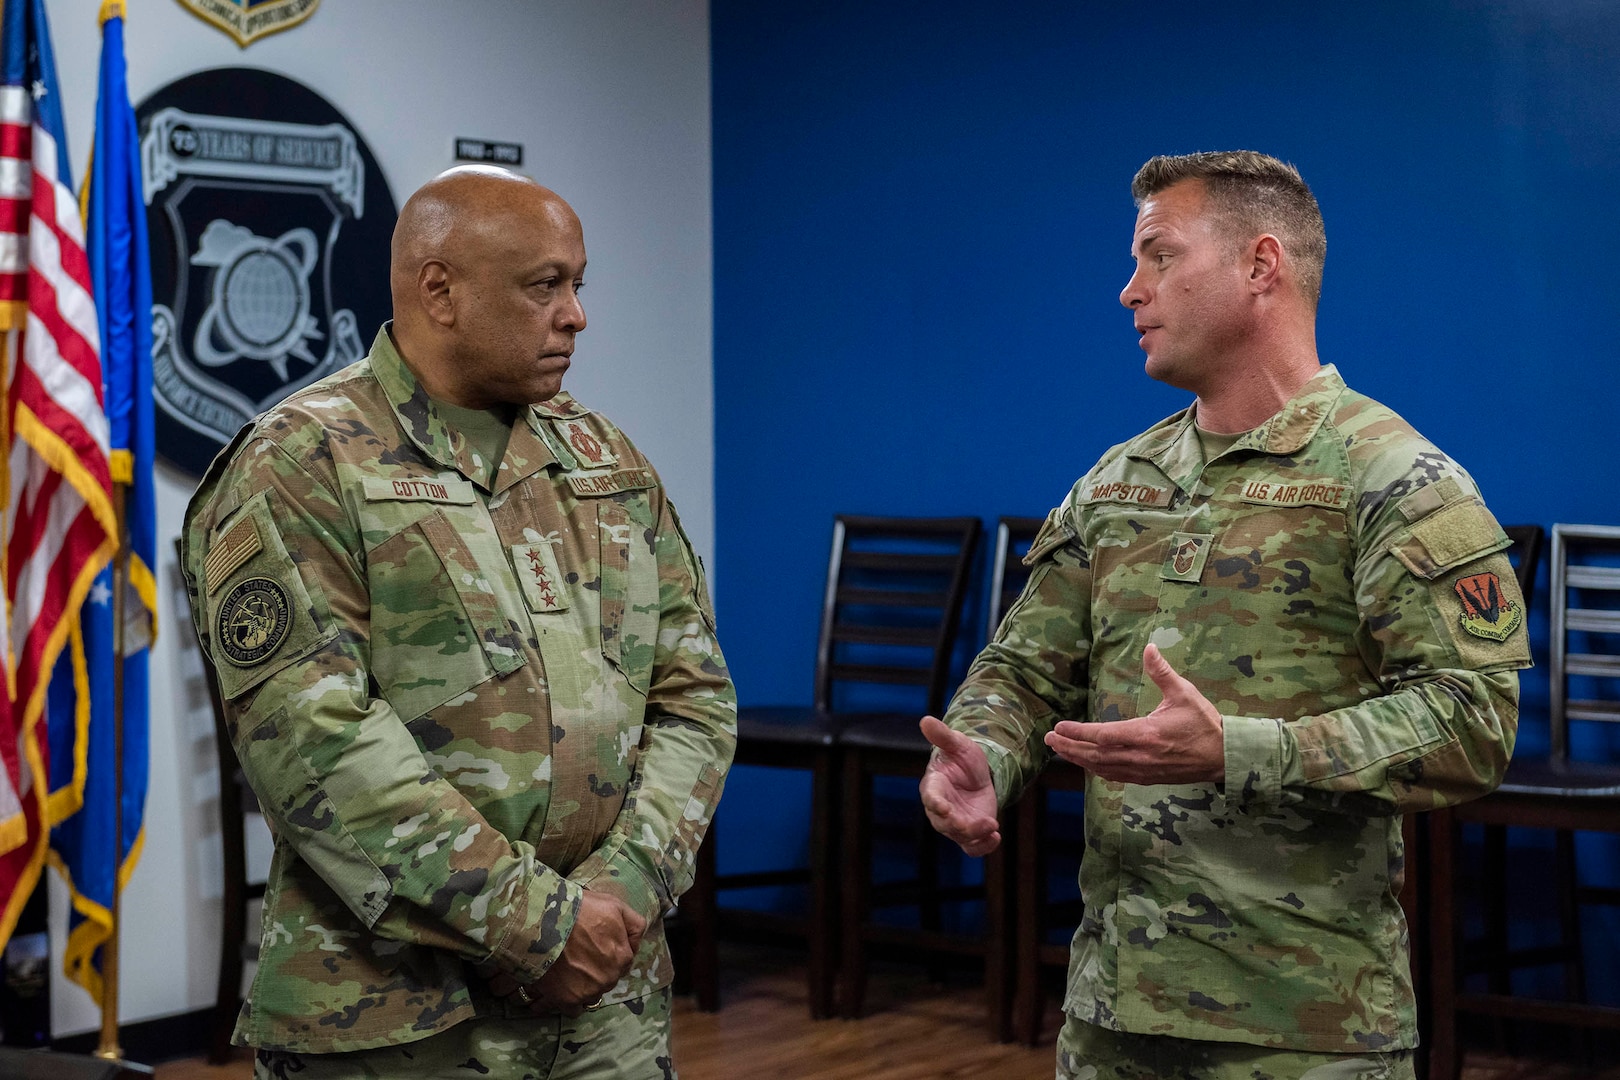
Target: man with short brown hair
(1266, 627)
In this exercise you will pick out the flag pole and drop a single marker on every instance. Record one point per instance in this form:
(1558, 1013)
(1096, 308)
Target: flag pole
(123, 473)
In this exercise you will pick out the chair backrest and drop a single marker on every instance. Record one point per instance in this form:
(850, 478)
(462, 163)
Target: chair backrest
(893, 602)
(1525, 555)
(1585, 617)
(1007, 571)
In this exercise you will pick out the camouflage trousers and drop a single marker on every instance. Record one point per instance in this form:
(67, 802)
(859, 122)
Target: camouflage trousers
(1088, 1052)
(629, 1040)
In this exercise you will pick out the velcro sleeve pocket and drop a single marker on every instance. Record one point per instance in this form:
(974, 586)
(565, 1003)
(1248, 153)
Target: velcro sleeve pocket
(694, 567)
(262, 616)
(682, 852)
(629, 588)
(1448, 537)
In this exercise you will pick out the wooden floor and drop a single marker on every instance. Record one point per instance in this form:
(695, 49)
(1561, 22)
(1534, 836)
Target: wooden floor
(912, 1031)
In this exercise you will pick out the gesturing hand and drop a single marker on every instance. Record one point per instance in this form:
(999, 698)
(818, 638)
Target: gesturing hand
(1180, 742)
(595, 957)
(957, 792)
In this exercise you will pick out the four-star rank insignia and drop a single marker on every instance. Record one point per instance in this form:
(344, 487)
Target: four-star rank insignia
(543, 585)
(1486, 613)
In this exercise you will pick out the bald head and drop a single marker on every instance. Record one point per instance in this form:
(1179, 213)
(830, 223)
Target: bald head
(485, 269)
(458, 214)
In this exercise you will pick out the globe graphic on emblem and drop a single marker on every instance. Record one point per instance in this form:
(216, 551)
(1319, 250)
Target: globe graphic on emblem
(262, 301)
(260, 307)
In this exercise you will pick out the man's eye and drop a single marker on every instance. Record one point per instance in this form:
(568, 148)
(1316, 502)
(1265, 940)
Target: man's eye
(578, 285)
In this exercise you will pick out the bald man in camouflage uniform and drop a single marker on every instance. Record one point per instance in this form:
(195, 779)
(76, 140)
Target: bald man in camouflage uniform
(470, 670)
(1267, 628)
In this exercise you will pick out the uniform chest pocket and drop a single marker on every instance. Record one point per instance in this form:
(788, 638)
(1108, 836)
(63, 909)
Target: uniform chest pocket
(1297, 553)
(1128, 548)
(437, 626)
(629, 588)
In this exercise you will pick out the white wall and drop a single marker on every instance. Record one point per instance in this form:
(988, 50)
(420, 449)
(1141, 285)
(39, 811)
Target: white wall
(611, 103)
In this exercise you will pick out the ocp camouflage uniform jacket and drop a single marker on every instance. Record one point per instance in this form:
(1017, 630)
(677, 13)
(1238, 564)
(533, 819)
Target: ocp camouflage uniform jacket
(458, 706)
(1335, 586)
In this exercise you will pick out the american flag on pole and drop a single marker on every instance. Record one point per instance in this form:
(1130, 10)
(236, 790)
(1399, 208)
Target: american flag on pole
(58, 527)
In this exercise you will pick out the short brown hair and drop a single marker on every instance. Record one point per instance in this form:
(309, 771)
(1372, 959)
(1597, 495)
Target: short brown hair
(1250, 193)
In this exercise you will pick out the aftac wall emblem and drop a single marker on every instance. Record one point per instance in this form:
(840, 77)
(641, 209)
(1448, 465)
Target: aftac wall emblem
(247, 20)
(270, 225)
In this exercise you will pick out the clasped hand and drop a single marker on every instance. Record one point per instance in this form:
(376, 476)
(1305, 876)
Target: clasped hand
(597, 954)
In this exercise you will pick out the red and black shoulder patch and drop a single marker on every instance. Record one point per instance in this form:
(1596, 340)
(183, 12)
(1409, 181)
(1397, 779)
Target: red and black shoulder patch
(1486, 613)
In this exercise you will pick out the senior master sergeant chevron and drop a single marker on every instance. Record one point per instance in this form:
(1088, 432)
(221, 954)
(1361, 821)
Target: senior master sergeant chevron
(470, 670)
(1267, 627)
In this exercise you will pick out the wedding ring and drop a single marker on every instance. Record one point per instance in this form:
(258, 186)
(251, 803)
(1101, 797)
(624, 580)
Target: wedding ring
(523, 995)
(593, 1006)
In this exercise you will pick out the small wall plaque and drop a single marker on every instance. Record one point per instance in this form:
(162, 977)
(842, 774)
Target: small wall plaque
(496, 153)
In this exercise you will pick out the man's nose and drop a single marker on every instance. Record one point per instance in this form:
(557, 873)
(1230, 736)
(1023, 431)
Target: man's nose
(1133, 295)
(571, 314)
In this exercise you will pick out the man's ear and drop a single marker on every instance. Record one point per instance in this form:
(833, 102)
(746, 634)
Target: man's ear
(433, 290)
(1265, 263)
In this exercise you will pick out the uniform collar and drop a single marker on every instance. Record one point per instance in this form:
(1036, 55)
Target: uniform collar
(1172, 445)
(1296, 423)
(528, 451)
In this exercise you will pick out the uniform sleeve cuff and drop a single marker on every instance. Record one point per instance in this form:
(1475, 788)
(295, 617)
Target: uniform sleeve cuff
(1254, 755)
(536, 939)
(996, 756)
(611, 870)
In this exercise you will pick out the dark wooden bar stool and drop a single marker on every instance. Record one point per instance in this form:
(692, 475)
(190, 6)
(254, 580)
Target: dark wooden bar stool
(937, 560)
(885, 618)
(1556, 792)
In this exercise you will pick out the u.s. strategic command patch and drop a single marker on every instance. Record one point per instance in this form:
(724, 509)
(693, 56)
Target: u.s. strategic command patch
(253, 621)
(1485, 612)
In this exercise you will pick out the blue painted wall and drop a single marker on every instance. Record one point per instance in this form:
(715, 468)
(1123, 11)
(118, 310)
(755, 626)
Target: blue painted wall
(922, 223)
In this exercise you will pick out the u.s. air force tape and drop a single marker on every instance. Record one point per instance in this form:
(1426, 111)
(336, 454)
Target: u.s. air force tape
(253, 621)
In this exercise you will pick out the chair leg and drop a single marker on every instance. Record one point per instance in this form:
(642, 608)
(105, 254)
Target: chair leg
(1494, 945)
(1029, 821)
(1493, 885)
(1569, 915)
(856, 856)
(824, 866)
(228, 998)
(1444, 1061)
(1569, 921)
(929, 912)
(701, 905)
(998, 948)
(233, 931)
